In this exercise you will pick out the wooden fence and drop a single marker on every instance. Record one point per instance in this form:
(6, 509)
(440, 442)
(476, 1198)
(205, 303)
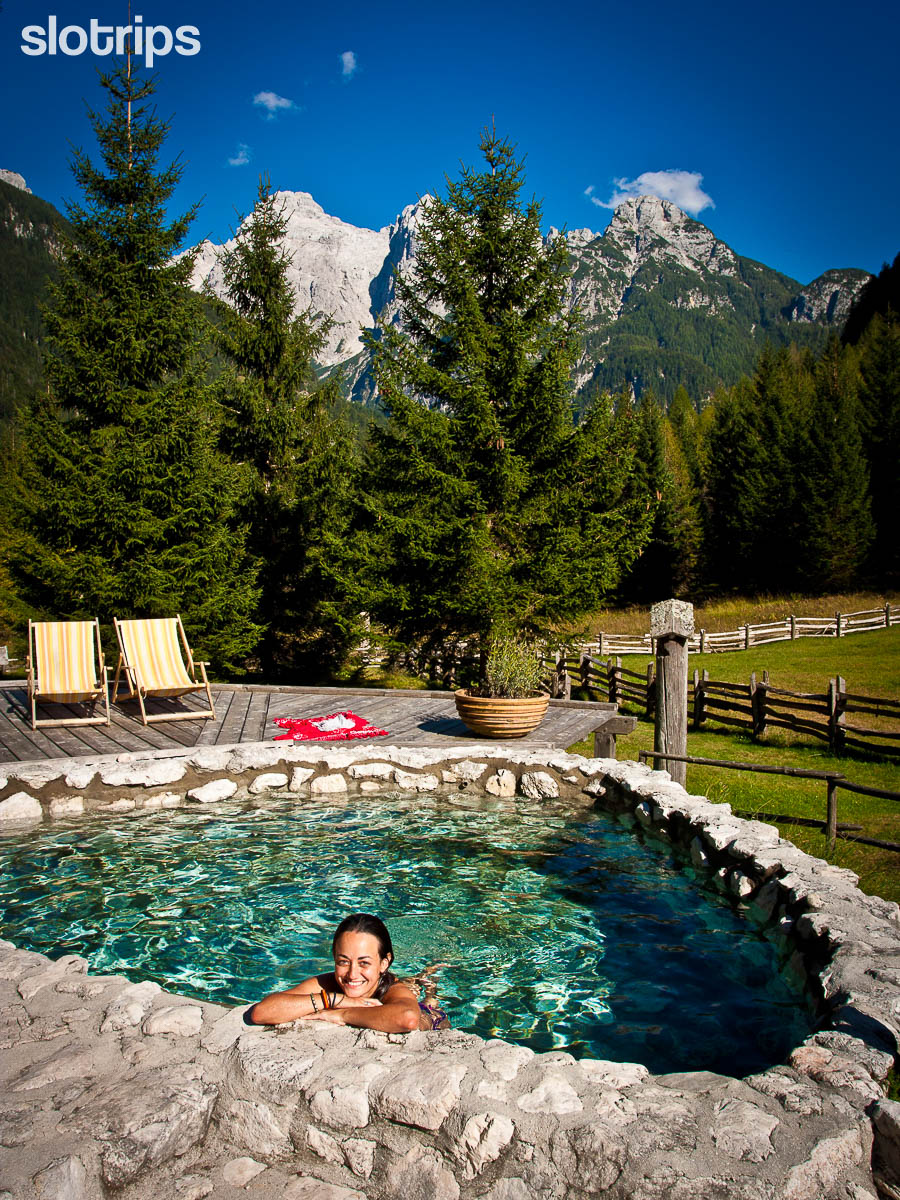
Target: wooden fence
(834, 781)
(754, 706)
(837, 625)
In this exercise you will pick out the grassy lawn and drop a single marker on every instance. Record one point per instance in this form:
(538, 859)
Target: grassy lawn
(723, 615)
(870, 662)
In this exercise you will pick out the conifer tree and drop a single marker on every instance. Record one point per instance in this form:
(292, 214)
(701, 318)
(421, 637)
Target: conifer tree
(836, 526)
(755, 440)
(123, 502)
(879, 400)
(297, 459)
(492, 507)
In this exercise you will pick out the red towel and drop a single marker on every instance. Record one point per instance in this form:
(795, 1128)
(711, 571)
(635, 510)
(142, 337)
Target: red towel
(337, 727)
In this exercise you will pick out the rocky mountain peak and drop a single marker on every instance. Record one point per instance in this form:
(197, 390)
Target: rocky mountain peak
(646, 227)
(14, 179)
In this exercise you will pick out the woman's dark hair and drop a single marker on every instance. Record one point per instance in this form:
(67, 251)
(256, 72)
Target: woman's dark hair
(367, 923)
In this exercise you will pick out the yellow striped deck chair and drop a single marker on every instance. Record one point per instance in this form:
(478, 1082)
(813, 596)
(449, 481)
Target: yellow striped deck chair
(152, 664)
(65, 666)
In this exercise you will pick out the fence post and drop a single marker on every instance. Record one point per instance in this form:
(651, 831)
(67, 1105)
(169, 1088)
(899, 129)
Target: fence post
(650, 694)
(758, 704)
(600, 644)
(563, 682)
(831, 812)
(746, 637)
(887, 616)
(836, 705)
(671, 625)
(612, 678)
(837, 624)
(702, 641)
(585, 669)
(793, 627)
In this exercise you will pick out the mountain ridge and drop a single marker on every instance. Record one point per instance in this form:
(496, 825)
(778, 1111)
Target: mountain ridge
(656, 287)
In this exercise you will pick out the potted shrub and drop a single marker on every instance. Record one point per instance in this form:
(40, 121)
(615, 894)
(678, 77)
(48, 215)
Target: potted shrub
(510, 701)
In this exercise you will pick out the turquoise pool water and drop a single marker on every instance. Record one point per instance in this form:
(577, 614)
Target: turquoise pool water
(558, 931)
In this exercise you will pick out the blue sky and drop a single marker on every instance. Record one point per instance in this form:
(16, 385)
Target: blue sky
(775, 125)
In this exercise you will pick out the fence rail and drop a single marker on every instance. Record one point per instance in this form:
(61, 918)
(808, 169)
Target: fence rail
(834, 782)
(754, 706)
(792, 627)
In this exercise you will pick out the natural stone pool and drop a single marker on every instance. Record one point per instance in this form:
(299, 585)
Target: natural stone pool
(110, 1086)
(560, 928)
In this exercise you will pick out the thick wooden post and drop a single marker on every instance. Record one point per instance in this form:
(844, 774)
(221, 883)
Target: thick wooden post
(831, 813)
(837, 624)
(793, 627)
(758, 703)
(563, 682)
(671, 625)
(586, 669)
(650, 693)
(836, 718)
(702, 641)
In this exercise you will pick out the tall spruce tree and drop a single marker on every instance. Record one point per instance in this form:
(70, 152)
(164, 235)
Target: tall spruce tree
(298, 460)
(491, 508)
(879, 402)
(835, 518)
(123, 504)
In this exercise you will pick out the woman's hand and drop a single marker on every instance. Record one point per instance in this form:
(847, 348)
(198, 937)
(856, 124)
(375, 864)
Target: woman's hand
(334, 1015)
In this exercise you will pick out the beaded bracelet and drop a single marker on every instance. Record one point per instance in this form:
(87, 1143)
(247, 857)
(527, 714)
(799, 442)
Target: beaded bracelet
(312, 999)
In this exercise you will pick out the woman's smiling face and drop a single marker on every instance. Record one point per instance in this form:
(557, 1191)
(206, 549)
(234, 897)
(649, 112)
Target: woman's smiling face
(358, 965)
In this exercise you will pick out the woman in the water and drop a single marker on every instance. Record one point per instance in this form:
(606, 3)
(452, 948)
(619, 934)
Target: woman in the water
(360, 991)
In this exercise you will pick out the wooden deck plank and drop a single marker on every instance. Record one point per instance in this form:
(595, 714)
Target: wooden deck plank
(415, 718)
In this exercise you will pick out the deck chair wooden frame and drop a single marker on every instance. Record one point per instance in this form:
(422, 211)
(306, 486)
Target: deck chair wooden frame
(152, 655)
(65, 665)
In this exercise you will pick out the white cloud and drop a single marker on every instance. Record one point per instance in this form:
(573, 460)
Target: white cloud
(241, 156)
(681, 187)
(348, 64)
(272, 103)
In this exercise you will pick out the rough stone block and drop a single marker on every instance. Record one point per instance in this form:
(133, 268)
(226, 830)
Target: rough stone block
(885, 1116)
(150, 773)
(270, 782)
(182, 1020)
(240, 1171)
(374, 770)
(214, 791)
(408, 781)
(339, 1096)
(672, 617)
(21, 807)
(328, 785)
(65, 1179)
(130, 1007)
(553, 1094)
(539, 785)
(254, 1127)
(503, 783)
(743, 1130)
(420, 1094)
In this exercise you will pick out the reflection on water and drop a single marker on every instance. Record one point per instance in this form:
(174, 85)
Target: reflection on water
(558, 931)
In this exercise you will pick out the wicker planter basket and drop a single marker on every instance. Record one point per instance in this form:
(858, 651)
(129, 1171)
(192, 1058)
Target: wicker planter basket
(499, 718)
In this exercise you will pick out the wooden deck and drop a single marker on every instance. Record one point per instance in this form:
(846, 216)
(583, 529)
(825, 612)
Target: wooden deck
(246, 713)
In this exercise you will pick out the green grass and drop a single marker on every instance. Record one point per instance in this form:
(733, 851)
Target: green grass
(729, 613)
(870, 663)
(752, 794)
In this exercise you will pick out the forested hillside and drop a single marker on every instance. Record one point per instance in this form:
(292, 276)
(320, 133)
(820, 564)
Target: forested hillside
(30, 233)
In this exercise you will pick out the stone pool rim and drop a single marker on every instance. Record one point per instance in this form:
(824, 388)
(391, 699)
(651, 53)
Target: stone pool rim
(471, 1130)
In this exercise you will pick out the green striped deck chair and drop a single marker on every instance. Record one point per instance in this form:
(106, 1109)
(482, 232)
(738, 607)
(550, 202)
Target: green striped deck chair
(156, 661)
(65, 666)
